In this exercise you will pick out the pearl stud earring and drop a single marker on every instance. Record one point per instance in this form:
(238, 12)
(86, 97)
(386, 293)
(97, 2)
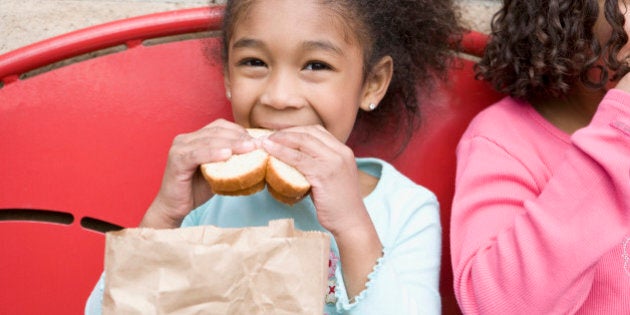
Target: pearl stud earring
(372, 106)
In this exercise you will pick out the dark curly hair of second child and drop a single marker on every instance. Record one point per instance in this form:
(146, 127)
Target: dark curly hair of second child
(542, 48)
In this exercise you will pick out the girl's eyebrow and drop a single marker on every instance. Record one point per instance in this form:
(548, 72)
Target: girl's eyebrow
(307, 45)
(322, 45)
(247, 43)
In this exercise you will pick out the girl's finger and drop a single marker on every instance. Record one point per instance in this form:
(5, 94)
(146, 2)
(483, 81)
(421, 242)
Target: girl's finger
(289, 153)
(313, 151)
(318, 132)
(212, 143)
(311, 140)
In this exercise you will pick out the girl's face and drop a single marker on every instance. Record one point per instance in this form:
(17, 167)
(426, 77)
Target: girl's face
(293, 63)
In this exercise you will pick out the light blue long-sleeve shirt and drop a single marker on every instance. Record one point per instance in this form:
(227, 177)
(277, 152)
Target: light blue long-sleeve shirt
(405, 280)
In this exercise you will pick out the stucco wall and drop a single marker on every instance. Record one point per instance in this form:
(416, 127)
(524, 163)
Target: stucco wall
(26, 21)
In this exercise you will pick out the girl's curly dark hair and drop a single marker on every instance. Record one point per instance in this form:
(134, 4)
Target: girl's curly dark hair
(417, 34)
(545, 47)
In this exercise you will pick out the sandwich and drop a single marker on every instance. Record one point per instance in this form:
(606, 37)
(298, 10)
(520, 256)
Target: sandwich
(248, 173)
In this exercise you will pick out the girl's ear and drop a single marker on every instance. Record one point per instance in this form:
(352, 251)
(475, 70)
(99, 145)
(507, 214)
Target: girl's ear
(376, 83)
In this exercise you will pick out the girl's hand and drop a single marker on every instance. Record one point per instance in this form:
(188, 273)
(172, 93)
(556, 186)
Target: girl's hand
(183, 187)
(329, 167)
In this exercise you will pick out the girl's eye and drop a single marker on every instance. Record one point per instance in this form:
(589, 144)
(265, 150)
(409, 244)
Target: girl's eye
(316, 65)
(252, 62)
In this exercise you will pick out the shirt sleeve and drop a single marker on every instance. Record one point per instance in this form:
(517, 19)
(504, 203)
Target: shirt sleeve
(94, 305)
(405, 280)
(519, 250)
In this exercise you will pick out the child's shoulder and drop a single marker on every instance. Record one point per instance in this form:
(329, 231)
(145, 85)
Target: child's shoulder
(505, 119)
(502, 112)
(398, 205)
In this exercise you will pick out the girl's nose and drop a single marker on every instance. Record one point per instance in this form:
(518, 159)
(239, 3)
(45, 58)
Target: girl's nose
(282, 91)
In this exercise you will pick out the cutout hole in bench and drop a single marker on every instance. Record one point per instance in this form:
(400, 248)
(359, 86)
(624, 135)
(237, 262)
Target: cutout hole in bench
(71, 60)
(181, 37)
(99, 225)
(36, 215)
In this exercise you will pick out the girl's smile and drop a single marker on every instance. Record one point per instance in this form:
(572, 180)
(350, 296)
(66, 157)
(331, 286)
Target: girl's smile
(312, 75)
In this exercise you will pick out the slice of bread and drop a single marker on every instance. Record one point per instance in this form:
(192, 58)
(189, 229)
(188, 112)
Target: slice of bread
(245, 174)
(285, 183)
(240, 174)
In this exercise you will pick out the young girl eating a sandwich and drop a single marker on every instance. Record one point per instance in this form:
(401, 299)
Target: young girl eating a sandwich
(310, 71)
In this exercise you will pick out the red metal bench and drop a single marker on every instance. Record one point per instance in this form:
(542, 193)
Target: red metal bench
(84, 144)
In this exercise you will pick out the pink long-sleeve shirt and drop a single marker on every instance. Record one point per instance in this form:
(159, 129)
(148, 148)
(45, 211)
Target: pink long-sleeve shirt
(541, 218)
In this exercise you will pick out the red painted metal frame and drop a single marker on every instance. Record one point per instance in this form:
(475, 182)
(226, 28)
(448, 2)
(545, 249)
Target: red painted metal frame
(130, 32)
(55, 134)
(474, 43)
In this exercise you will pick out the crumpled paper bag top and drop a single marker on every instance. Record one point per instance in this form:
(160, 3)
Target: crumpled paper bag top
(275, 269)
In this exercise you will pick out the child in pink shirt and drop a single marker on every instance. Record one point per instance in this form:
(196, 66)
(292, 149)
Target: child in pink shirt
(541, 214)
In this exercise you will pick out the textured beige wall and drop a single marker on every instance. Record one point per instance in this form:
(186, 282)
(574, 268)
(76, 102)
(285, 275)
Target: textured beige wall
(24, 22)
(476, 14)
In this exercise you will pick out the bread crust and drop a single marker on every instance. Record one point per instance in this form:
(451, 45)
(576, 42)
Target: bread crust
(282, 189)
(237, 183)
(290, 200)
(243, 192)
